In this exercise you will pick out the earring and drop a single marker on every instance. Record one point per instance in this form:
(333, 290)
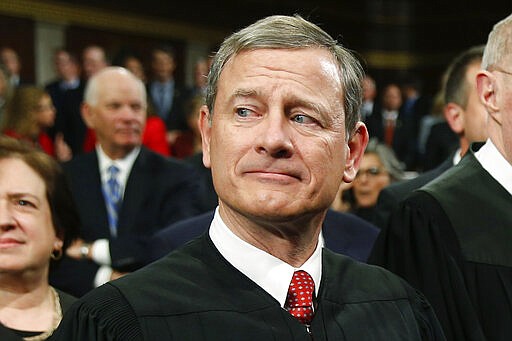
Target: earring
(56, 254)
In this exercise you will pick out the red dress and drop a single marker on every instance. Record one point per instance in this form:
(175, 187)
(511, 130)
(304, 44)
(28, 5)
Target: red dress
(43, 141)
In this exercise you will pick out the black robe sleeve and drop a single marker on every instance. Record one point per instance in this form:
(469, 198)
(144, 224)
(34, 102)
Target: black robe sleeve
(101, 315)
(420, 245)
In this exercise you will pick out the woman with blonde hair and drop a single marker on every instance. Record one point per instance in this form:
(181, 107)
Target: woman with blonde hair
(28, 116)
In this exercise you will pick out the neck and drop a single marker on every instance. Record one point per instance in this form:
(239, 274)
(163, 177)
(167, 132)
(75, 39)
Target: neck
(293, 241)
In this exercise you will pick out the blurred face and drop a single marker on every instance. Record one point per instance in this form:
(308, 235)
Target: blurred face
(200, 74)
(119, 115)
(27, 234)
(392, 98)
(277, 140)
(66, 68)
(163, 66)
(475, 115)
(370, 180)
(94, 61)
(369, 90)
(135, 67)
(11, 61)
(45, 112)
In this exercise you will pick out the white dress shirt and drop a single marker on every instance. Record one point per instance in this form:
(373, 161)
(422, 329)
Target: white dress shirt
(495, 164)
(267, 271)
(100, 249)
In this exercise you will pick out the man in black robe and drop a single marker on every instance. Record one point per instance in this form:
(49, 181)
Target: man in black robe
(280, 132)
(452, 238)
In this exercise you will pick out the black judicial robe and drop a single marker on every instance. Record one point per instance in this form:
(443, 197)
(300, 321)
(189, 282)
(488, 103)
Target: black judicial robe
(452, 240)
(195, 294)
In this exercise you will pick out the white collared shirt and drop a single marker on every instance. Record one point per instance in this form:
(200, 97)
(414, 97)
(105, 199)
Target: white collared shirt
(124, 165)
(100, 248)
(495, 164)
(267, 271)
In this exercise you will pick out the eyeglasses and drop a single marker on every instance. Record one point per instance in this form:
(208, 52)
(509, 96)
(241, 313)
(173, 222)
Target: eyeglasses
(371, 172)
(497, 68)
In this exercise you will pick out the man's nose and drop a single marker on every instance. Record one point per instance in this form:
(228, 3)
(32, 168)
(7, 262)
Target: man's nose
(275, 136)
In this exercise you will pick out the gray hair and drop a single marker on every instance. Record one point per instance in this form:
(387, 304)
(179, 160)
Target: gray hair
(499, 43)
(387, 157)
(292, 32)
(92, 89)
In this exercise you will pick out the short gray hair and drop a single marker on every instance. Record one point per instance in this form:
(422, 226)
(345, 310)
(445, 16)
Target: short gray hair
(387, 157)
(91, 90)
(292, 32)
(499, 43)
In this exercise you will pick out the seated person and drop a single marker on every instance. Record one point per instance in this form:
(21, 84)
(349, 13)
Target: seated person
(38, 220)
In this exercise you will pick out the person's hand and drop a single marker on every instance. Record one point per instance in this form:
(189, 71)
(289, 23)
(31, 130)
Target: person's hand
(79, 249)
(62, 150)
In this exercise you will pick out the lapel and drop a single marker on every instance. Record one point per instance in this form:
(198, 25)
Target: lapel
(90, 197)
(136, 191)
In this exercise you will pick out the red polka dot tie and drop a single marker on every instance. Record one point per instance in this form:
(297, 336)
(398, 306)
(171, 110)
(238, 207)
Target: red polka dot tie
(299, 301)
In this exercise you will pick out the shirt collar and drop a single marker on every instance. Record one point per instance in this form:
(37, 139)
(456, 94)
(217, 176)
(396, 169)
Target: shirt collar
(124, 165)
(267, 271)
(495, 164)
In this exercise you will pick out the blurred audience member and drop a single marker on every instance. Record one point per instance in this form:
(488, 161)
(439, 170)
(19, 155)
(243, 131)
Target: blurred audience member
(94, 59)
(167, 97)
(188, 143)
(6, 90)
(38, 220)
(379, 167)
(201, 69)
(62, 89)
(9, 57)
(29, 114)
(436, 141)
(369, 94)
(126, 192)
(466, 117)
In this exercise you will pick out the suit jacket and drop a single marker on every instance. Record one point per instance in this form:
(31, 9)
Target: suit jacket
(159, 191)
(195, 294)
(343, 233)
(391, 196)
(68, 120)
(175, 119)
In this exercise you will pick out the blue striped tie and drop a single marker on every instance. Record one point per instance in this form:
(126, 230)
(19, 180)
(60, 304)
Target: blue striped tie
(112, 194)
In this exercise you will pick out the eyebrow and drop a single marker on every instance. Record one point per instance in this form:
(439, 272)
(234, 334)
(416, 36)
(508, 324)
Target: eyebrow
(17, 195)
(293, 100)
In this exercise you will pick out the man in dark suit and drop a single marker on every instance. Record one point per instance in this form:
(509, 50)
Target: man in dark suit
(168, 97)
(66, 91)
(463, 112)
(280, 132)
(118, 211)
(342, 233)
(451, 238)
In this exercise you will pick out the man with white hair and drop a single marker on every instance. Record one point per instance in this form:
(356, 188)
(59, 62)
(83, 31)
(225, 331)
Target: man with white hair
(124, 191)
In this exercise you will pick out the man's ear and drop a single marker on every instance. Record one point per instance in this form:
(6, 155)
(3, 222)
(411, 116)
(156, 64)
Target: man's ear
(87, 115)
(355, 150)
(454, 115)
(486, 86)
(205, 127)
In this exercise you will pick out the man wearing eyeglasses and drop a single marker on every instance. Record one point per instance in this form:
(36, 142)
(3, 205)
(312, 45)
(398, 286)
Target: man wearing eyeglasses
(452, 238)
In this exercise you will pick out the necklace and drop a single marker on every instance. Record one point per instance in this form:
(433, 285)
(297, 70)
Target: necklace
(57, 316)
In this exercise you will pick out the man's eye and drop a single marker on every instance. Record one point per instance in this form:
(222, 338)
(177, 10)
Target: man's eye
(243, 112)
(303, 119)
